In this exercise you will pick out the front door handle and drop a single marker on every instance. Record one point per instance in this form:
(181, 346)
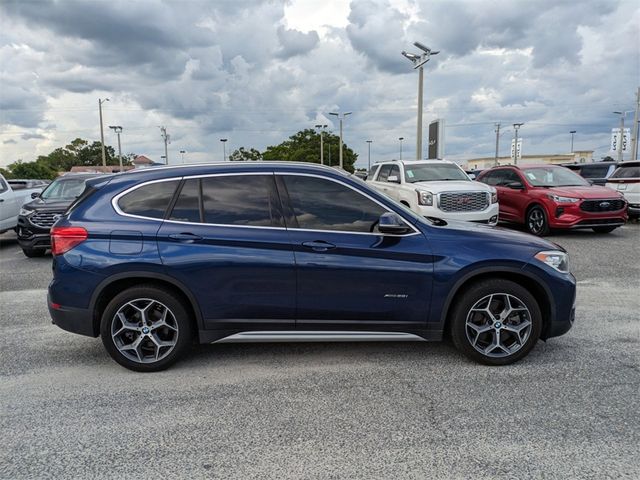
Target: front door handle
(185, 237)
(319, 246)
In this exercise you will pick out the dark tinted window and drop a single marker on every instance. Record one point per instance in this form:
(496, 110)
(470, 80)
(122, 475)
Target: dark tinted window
(384, 173)
(3, 186)
(492, 178)
(509, 176)
(395, 171)
(17, 185)
(241, 200)
(594, 171)
(149, 200)
(320, 204)
(187, 207)
(372, 172)
(627, 171)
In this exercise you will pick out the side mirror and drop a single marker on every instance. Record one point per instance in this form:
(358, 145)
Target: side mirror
(392, 223)
(472, 176)
(35, 195)
(515, 186)
(393, 179)
(591, 182)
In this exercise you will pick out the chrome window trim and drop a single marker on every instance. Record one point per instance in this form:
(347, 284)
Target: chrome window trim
(118, 210)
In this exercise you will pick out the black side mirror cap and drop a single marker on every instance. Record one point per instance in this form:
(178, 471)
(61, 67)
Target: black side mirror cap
(515, 186)
(392, 223)
(34, 195)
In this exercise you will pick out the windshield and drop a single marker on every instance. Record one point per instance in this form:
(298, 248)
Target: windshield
(627, 171)
(433, 172)
(553, 177)
(64, 189)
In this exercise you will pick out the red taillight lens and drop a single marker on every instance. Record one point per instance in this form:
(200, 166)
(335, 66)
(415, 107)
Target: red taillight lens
(64, 239)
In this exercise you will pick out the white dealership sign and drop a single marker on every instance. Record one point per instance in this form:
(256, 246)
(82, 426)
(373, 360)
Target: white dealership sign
(615, 139)
(516, 150)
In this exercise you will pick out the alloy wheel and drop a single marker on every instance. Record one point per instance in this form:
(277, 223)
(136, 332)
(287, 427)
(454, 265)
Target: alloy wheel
(536, 221)
(144, 330)
(498, 325)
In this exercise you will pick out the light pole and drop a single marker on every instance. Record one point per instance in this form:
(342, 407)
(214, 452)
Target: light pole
(340, 117)
(622, 115)
(104, 155)
(516, 127)
(418, 61)
(401, 139)
(224, 148)
(572, 132)
(118, 130)
(182, 152)
(369, 157)
(167, 139)
(321, 127)
(497, 130)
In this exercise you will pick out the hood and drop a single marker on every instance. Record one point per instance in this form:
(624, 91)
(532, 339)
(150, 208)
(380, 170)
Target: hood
(453, 186)
(43, 205)
(585, 192)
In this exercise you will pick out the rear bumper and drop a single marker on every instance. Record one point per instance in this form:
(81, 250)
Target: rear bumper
(75, 320)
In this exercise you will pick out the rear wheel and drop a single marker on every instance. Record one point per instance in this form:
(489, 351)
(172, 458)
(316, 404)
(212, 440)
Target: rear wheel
(604, 229)
(34, 252)
(145, 328)
(496, 322)
(536, 221)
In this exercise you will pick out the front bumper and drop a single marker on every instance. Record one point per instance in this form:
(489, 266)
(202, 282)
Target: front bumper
(572, 217)
(32, 236)
(75, 320)
(488, 215)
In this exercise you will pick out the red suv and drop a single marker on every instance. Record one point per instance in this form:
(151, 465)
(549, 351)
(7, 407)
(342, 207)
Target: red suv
(543, 197)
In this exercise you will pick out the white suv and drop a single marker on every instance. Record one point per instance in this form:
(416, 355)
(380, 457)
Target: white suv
(436, 188)
(626, 180)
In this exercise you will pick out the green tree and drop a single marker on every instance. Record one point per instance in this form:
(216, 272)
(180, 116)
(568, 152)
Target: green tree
(304, 146)
(5, 173)
(241, 154)
(21, 169)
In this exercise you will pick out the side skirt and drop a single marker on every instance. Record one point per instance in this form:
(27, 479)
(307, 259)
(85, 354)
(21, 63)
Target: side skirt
(316, 336)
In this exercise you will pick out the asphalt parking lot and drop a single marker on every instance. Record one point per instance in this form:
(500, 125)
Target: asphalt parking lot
(345, 410)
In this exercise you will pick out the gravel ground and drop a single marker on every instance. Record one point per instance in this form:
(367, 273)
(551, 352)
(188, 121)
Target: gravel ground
(345, 410)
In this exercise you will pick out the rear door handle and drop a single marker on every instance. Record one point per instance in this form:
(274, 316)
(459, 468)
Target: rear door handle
(185, 237)
(319, 245)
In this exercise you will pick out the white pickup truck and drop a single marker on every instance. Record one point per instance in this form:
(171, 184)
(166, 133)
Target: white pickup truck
(436, 188)
(11, 201)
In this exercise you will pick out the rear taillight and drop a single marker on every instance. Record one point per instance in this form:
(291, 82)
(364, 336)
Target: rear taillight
(64, 239)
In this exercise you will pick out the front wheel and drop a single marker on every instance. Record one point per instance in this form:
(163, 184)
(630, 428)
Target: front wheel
(536, 222)
(496, 322)
(145, 328)
(604, 229)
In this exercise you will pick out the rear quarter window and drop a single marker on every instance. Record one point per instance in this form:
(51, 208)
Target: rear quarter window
(151, 200)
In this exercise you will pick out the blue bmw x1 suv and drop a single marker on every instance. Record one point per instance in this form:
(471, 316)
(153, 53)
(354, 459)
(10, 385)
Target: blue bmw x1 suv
(156, 259)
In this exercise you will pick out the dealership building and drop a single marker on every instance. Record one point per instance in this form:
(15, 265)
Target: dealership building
(578, 156)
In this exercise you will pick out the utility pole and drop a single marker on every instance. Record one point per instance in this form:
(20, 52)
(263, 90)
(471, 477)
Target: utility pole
(224, 148)
(104, 155)
(634, 129)
(369, 157)
(401, 139)
(118, 130)
(321, 127)
(572, 132)
(340, 118)
(495, 161)
(418, 62)
(167, 139)
(516, 127)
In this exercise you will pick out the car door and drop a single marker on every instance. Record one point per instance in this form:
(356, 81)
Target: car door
(225, 238)
(8, 207)
(349, 276)
(393, 182)
(512, 190)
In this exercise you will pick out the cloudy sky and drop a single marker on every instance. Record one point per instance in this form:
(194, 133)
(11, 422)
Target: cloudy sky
(256, 72)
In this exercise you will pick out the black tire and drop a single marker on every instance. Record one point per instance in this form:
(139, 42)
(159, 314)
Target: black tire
(604, 229)
(34, 252)
(181, 324)
(474, 295)
(537, 222)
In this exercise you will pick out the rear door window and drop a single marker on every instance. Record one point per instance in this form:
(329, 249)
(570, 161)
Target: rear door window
(187, 207)
(151, 200)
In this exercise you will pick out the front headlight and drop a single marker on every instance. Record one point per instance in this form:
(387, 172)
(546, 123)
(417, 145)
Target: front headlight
(494, 196)
(25, 212)
(425, 198)
(559, 199)
(555, 259)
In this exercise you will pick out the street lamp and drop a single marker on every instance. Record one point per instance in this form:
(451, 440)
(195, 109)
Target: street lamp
(182, 152)
(401, 139)
(321, 127)
(337, 114)
(418, 61)
(369, 157)
(224, 148)
(118, 130)
(572, 132)
(104, 155)
(516, 127)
